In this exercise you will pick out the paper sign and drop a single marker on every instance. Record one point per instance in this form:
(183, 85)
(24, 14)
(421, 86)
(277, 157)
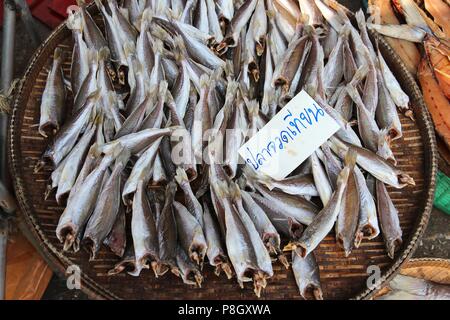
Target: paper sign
(289, 138)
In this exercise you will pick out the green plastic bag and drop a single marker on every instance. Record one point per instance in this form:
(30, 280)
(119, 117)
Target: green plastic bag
(442, 195)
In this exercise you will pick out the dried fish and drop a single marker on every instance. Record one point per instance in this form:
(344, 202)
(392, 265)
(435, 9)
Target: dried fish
(403, 287)
(325, 219)
(389, 221)
(144, 233)
(167, 233)
(188, 271)
(138, 141)
(306, 272)
(215, 247)
(67, 136)
(287, 205)
(53, 97)
(376, 165)
(73, 163)
(367, 126)
(106, 210)
(348, 218)
(309, 8)
(78, 71)
(117, 238)
(404, 32)
(368, 221)
(400, 98)
(142, 170)
(386, 112)
(334, 69)
(202, 120)
(269, 235)
(89, 85)
(191, 202)
(239, 20)
(190, 234)
(80, 207)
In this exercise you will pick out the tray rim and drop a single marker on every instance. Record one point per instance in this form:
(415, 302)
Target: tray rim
(94, 290)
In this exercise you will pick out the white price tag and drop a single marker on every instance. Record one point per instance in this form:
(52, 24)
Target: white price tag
(289, 138)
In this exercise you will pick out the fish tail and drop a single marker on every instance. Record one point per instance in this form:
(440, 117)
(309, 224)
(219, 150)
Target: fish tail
(253, 107)
(221, 189)
(361, 72)
(158, 46)
(179, 44)
(350, 158)
(103, 54)
(163, 85)
(181, 176)
(204, 80)
(129, 48)
(235, 192)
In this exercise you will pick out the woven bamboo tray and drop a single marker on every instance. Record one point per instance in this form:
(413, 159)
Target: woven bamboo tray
(432, 269)
(341, 277)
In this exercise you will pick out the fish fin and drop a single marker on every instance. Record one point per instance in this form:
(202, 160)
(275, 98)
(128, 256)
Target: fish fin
(129, 48)
(163, 86)
(58, 53)
(253, 107)
(181, 176)
(360, 73)
(360, 19)
(229, 68)
(94, 95)
(311, 89)
(221, 189)
(350, 158)
(147, 15)
(103, 54)
(217, 74)
(92, 56)
(235, 191)
(231, 89)
(137, 67)
(383, 137)
(179, 44)
(204, 80)
(271, 14)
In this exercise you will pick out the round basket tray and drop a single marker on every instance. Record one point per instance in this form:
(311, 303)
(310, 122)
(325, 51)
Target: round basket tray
(431, 269)
(341, 277)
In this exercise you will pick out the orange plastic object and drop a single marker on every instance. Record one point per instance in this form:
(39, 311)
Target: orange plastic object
(27, 274)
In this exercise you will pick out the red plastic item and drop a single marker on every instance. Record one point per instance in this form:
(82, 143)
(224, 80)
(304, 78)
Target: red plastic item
(49, 12)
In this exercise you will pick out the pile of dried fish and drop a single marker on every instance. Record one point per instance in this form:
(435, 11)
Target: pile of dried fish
(426, 24)
(145, 164)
